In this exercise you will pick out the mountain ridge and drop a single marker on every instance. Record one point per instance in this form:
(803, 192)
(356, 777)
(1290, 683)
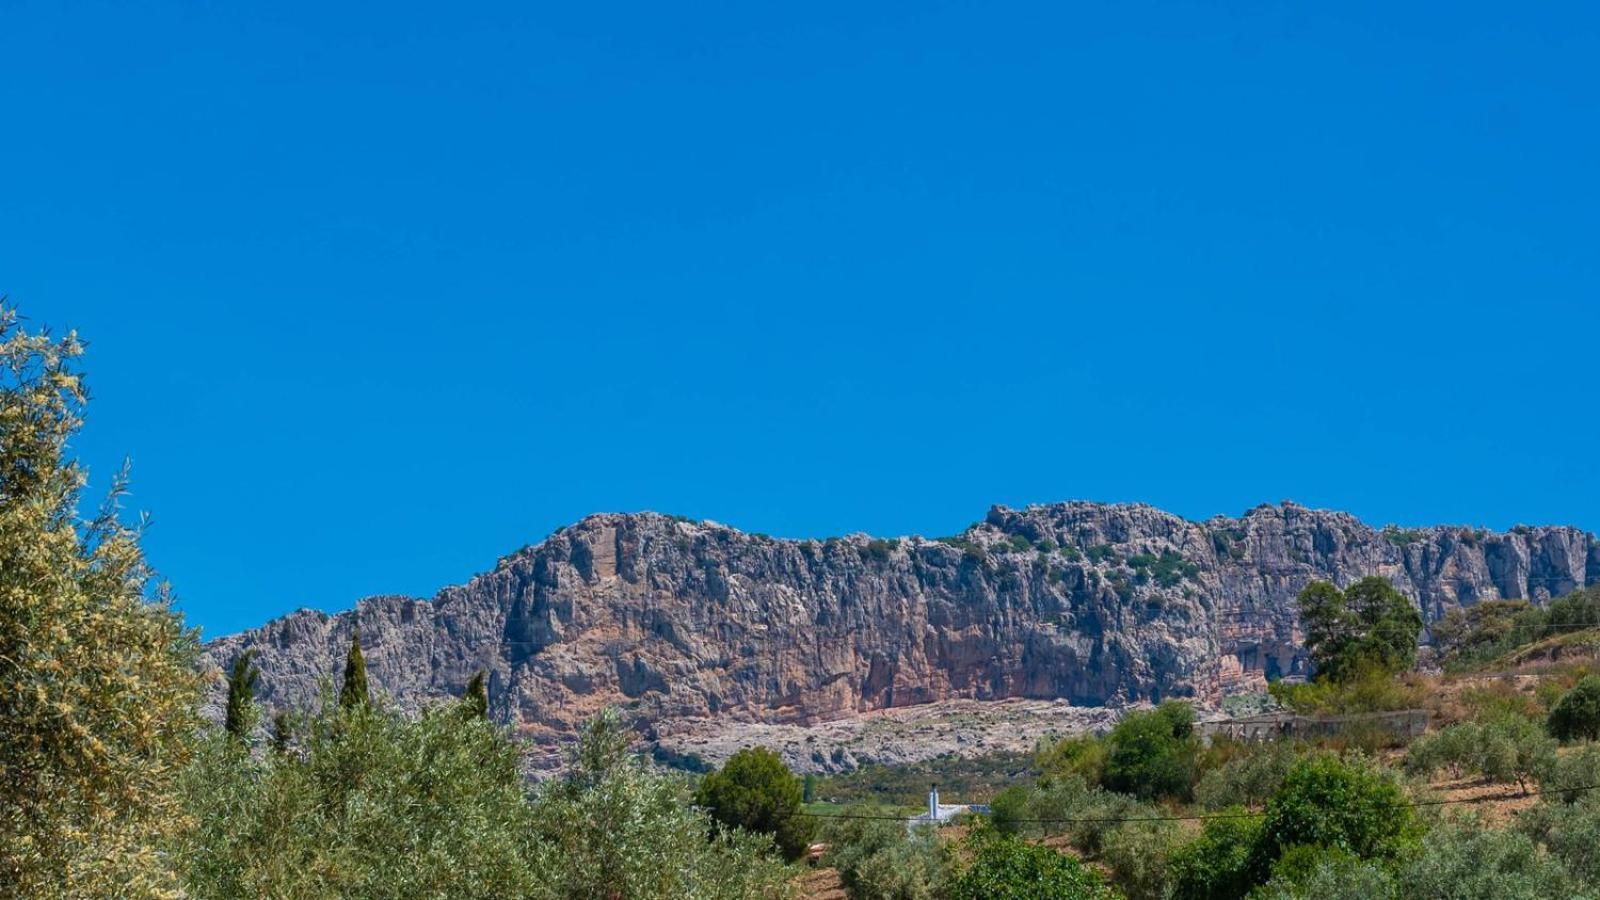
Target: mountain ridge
(1093, 603)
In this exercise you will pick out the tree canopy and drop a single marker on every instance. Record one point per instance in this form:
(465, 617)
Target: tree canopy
(1577, 714)
(1328, 802)
(1007, 868)
(755, 791)
(1151, 754)
(98, 685)
(1368, 627)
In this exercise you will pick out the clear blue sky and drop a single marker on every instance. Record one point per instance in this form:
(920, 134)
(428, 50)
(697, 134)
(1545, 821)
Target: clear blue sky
(379, 292)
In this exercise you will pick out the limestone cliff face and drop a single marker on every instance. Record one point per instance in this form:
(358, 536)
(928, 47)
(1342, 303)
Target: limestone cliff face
(1093, 603)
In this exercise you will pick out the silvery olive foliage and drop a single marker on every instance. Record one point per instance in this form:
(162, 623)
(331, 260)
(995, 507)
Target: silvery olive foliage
(613, 828)
(98, 689)
(375, 804)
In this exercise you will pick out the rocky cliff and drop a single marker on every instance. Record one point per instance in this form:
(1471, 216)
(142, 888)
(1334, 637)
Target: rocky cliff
(1092, 603)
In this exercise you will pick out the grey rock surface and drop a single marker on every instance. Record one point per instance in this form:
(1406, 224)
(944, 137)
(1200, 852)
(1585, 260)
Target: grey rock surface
(1088, 603)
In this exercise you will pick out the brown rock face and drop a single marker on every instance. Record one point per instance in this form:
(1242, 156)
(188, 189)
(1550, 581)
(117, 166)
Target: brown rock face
(1091, 603)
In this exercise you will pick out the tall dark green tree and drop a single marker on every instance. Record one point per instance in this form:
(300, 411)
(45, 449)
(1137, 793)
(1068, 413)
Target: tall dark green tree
(354, 693)
(475, 699)
(1152, 754)
(1369, 626)
(755, 791)
(242, 714)
(1576, 715)
(282, 732)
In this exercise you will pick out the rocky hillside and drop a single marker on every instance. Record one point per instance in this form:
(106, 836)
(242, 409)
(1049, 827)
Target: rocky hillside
(1090, 603)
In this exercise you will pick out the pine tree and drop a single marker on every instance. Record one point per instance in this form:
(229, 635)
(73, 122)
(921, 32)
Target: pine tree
(242, 714)
(282, 732)
(354, 692)
(475, 699)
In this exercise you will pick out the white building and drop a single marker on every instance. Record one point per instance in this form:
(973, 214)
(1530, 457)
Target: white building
(941, 813)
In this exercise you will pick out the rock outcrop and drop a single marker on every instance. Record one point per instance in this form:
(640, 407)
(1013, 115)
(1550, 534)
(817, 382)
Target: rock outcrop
(1089, 603)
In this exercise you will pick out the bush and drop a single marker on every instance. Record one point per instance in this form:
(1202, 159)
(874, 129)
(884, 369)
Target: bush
(1248, 780)
(1340, 805)
(1101, 552)
(1492, 629)
(1453, 749)
(1008, 809)
(1055, 799)
(611, 827)
(1514, 749)
(1565, 777)
(1216, 865)
(878, 859)
(373, 805)
(1581, 607)
(1570, 831)
(378, 805)
(1577, 714)
(1464, 860)
(1009, 869)
(1367, 690)
(1506, 749)
(1320, 873)
(1472, 631)
(1139, 855)
(1101, 817)
(1083, 755)
(1499, 698)
(755, 791)
(1151, 754)
(1087, 815)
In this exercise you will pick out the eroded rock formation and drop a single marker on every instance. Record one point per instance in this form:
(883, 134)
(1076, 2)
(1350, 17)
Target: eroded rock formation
(1091, 603)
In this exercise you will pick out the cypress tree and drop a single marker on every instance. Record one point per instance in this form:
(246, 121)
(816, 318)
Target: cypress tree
(242, 714)
(354, 691)
(282, 732)
(475, 699)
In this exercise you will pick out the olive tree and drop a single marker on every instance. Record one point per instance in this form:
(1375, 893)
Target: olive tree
(372, 804)
(98, 687)
(612, 828)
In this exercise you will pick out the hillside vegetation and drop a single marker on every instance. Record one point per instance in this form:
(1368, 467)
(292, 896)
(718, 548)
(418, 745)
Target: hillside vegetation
(1505, 634)
(1497, 800)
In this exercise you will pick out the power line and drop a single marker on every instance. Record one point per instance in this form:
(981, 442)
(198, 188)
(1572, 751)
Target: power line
(1243, 815)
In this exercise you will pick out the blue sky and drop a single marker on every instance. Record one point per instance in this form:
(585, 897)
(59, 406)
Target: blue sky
(378, 292)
